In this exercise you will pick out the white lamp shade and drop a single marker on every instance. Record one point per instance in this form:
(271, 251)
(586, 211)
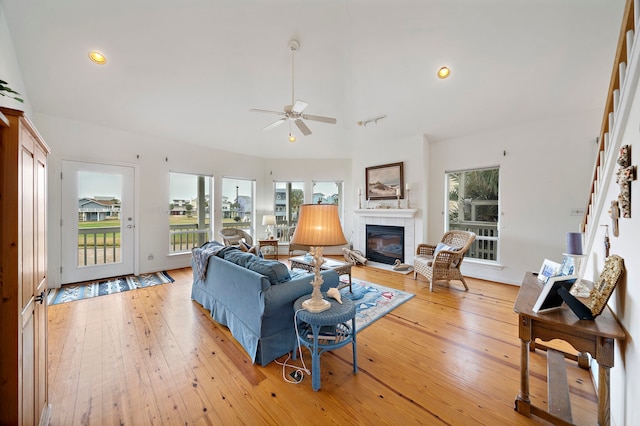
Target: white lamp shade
(318, 226)
(268, 219)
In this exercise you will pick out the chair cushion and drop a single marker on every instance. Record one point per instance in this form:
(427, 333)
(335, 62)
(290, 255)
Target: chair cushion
(423, 259)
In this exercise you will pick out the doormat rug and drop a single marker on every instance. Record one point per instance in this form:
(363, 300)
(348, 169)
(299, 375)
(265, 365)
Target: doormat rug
(373, 301)
(72, 292)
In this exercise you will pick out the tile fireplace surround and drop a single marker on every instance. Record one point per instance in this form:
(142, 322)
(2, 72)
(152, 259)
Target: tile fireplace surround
(387, 217)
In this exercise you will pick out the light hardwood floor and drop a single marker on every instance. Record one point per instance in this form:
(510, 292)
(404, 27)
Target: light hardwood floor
(153, 356)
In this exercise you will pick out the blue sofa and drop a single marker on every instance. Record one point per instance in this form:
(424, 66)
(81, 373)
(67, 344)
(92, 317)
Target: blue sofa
(252, 296)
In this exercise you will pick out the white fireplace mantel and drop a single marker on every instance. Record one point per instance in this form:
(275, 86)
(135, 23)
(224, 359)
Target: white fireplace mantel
(389, 217)
(386, 212)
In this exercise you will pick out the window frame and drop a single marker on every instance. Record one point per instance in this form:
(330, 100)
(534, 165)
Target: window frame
(204, 223)
(249, 224)
(487, 236)
(285, 210)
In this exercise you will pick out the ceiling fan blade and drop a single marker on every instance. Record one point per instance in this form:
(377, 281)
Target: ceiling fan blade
(267, 111)
(303, 127)
(275, 123)
(299, 106)
(319, 118)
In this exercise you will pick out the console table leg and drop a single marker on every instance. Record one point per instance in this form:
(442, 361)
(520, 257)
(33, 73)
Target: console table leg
(523, 403)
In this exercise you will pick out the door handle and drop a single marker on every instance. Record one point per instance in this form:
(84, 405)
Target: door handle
(40, 298)
(129, 226)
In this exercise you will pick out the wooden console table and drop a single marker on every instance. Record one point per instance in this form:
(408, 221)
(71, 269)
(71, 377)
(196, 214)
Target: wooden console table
(597, 337)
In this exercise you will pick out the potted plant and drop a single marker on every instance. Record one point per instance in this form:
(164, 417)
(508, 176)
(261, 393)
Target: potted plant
(9, 92)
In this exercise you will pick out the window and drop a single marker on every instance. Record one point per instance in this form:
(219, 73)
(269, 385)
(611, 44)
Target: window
(238, 208)
(473, 205)
(328, 193)
(189, 218)
(287, 198)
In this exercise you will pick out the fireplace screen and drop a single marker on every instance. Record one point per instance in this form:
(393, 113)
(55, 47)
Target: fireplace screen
(385, 244)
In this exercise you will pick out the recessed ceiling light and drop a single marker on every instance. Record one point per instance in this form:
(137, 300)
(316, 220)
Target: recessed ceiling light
(444, 72)
(97, 57)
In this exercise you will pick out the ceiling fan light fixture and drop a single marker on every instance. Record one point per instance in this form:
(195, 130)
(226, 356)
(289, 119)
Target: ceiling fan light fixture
(97, 57)
(444, 72)
(292, 138)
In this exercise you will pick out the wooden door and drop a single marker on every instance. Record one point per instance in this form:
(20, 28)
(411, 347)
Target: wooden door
(23, 267)
(33, 278)
(40, 311)
(26, 277)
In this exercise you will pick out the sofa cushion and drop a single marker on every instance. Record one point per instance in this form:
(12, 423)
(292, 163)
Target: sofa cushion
(239, 257)
(276, 272)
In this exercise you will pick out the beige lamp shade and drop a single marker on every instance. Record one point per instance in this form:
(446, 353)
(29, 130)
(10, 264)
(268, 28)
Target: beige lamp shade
(268, 219)
(319, 226)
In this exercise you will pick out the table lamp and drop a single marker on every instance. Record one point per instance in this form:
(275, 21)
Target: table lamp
(268, 220)
(318, 226)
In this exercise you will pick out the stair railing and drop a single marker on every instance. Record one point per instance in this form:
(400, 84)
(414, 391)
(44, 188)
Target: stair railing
(611, 113)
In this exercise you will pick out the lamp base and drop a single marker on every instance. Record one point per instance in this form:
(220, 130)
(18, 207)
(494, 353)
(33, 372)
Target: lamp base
(315, 306)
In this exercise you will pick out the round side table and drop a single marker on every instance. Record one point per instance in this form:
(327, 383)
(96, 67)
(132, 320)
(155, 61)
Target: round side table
(325, 331)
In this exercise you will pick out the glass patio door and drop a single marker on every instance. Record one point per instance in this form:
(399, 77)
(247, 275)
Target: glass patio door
(98, 227)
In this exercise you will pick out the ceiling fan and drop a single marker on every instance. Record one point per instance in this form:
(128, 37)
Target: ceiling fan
(294, 112)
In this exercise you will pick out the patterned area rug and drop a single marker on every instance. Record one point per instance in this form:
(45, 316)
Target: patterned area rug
(72, 292)
(373, 301)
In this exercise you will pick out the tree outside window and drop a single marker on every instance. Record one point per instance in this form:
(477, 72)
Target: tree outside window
(238, 209)
(288, 197)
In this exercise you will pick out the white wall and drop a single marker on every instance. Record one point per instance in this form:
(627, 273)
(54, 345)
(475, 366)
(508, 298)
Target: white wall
(9, 69)
(545, 170)
(373, 147)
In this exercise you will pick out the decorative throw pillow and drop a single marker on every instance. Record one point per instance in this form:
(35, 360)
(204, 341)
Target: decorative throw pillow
(275, 271)
(443, 246)
(239, 258)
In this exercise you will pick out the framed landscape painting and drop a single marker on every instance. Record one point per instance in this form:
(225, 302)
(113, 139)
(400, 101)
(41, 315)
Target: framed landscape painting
(384, 181)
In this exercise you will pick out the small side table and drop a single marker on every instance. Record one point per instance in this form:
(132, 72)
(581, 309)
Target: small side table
(338, 317)
(273, 248)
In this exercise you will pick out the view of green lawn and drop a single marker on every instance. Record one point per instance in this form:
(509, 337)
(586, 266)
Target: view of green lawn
(181, 239)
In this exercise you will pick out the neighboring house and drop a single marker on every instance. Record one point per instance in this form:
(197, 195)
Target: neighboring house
(179, 207)
(94, 209)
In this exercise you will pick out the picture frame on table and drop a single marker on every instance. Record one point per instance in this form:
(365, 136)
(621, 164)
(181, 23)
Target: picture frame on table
(568, 266)
(384, 181)
(548, 269)
(550, 298)
(606, 283)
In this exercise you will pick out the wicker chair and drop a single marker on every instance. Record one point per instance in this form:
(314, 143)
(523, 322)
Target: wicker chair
(232, 236)
(445, 265)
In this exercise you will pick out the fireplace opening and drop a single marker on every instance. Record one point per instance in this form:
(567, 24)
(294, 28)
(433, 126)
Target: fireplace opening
(385, 244)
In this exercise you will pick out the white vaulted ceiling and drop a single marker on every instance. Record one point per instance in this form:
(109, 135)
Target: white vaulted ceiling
(190, 71)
